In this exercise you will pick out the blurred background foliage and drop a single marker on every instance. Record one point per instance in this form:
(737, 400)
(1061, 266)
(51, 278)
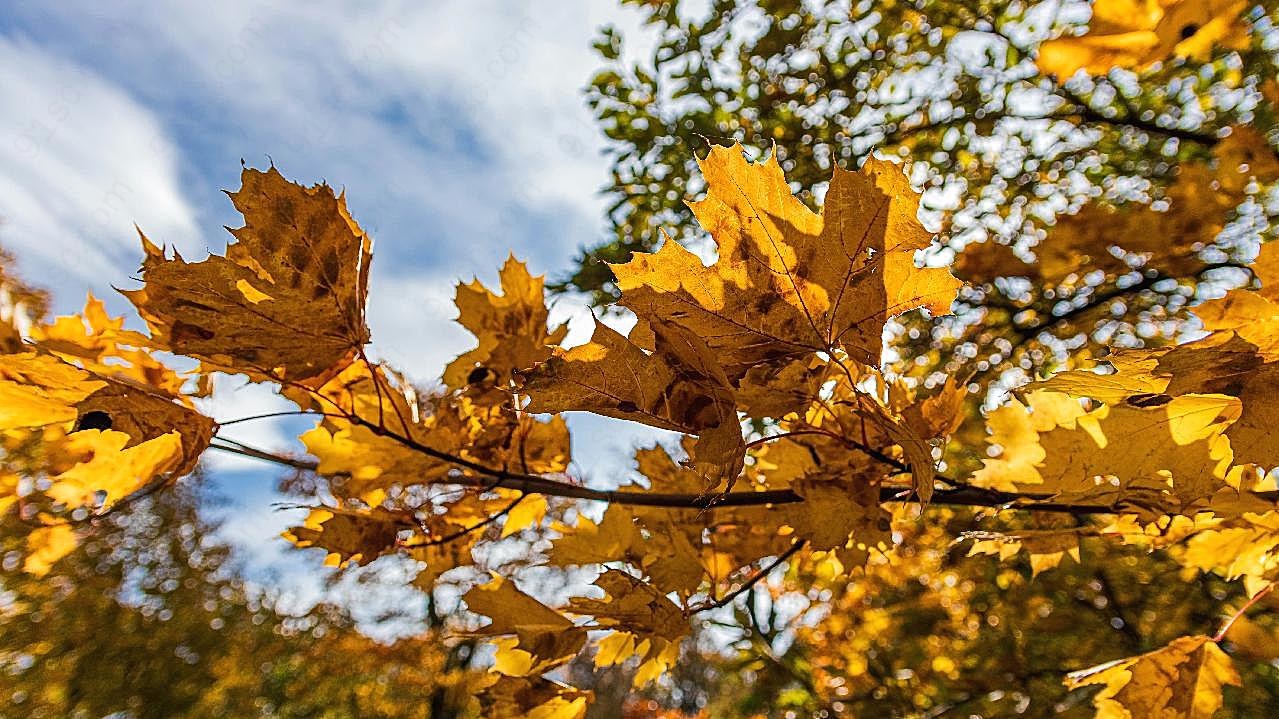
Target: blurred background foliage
(150, 616)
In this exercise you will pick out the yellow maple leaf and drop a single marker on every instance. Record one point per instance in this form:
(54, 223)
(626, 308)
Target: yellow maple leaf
(1246, 546)
(1182, 680)
(632, 604)
(1231, 366)
(350, 536)
(101, 434)
(533, 698)
(1045, 548)
(375, 425)
(671, 555)
(614, 537)
(840, 514)
(38, 390)
(529, 512)
(1135, 34)
(680, 387)
(511, 328)
(544, 638)
(285, 303)
(104, 462)
(788, 282)
(645, 623)
(1168, 453)
(98, 342)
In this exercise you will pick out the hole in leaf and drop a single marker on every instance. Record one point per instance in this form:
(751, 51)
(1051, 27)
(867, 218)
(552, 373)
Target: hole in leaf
(95, 419)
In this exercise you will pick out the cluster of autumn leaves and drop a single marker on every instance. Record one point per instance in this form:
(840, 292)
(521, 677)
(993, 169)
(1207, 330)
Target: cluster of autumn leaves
(767, 360)
(782, 328)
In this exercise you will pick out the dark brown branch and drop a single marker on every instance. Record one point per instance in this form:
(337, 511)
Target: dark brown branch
(1085, 111)
(964, 496)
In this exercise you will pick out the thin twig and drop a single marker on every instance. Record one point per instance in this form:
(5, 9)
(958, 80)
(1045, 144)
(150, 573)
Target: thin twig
(467, 530)
(1248, 605)
(246, 451)
(285, 413)
(751, 580)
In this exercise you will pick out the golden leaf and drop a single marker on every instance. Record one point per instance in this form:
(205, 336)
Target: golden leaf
(1245, 547)
(107, 461)
(1153, 452)
(511, 328)
(842, 515)
(286, 302)
(375, 425)
(125, 434)
(1045, 548)
(38, 390)
(788, 282)
(1224, 363)
(937, 415)
(671, 556)
(633, 605)
(533, 698)
(95, 341)
(350, 536)
(680, 387)
(528, 513)
(615, 537)
(544, 637)
(1182, 680)
(145, 414)
(646, 623)
(1135, 34)
(1232, 367)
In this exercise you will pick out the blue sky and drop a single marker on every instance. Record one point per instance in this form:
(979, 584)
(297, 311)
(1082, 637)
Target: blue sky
(457, 129)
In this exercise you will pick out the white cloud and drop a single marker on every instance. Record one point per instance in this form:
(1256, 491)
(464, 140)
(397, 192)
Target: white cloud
(458, 130)
(411, 320)
(80, 162)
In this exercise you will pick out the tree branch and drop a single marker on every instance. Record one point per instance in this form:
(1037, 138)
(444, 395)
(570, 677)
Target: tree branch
(1086, 112)
(964, 496)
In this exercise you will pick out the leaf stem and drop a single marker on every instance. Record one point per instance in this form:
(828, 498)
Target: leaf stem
(1247, 605)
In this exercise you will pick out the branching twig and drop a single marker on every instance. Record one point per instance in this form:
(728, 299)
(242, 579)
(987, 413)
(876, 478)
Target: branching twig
(467, 530)
(751, 580)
